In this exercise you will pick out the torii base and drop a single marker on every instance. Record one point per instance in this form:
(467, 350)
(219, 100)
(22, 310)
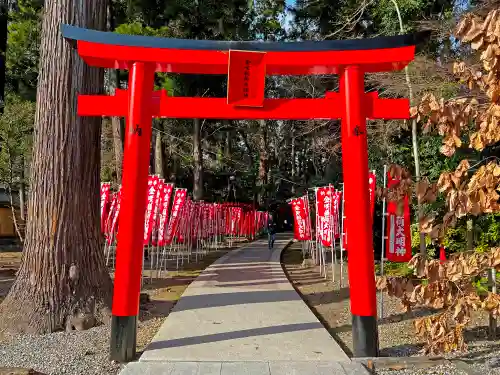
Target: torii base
(123, 343)
(365, 336)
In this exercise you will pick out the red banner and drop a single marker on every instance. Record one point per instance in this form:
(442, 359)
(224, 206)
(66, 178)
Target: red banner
(165, 194)
(308, 217)
(324, 217)
(105, 195)
(301, 230)
(235, 215)
(111, 213)
(178, 203)
(184, 218)
(156, 211)
(372, 183)
(150, 210)
(398, 229)
(342, 220)
(109, 219)
(116, 214)
(196, 220)
(336, 213)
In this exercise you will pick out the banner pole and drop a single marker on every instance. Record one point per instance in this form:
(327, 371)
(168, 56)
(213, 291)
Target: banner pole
(316, 245)
(382, 252)
(330, 229)
(334, 240)
(341, 282)
(323, 260)
(308, 218)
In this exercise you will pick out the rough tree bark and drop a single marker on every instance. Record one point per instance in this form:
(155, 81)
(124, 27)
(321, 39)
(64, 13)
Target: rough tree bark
(249, 156)
(198, 161)
(166, 152)
(228, 146)
(63, 282)
(117, 123)
(159, 155)
(4, 30)
(263, 162)
(117, 146)
(172, 155)
(22, 206)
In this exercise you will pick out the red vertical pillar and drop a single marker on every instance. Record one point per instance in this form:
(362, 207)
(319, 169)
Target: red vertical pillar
(129, 252)
(357, 210)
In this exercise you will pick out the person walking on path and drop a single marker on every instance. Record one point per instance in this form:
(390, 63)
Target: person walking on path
(271, 232)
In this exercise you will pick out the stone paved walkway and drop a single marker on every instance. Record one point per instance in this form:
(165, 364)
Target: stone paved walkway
(242, 316)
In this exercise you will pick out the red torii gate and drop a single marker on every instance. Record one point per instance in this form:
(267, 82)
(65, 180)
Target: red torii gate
(246, 64)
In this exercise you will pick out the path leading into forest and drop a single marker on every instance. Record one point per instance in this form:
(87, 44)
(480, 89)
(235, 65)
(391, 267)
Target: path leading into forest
(242, 316)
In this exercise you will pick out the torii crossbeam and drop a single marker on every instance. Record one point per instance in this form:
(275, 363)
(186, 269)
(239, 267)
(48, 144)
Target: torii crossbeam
(246, 64)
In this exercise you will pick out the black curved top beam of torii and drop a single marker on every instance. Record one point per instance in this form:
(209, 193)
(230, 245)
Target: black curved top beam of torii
(80, 34)
(112, 50)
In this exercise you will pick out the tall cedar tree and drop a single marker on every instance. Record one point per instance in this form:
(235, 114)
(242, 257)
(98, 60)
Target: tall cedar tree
(63, 282)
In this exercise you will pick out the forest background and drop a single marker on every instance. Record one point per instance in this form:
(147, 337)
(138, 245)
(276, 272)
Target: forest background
(264, 162)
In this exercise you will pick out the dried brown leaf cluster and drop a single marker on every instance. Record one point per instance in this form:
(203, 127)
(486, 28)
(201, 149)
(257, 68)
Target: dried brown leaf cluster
(474, 196)
(440, 335)
(483, 35)
(426, 192)
(452, 117)
(448, 288)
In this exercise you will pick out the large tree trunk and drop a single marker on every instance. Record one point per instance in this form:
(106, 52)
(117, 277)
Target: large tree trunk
(22, 189)
(173, 155)
(198, 161)
(63, 282)
(228, 145)
(249, 156)
(4, 16)
(117, 123)
(159, 155)
(117, 147)
(166, 152)
(263, 162)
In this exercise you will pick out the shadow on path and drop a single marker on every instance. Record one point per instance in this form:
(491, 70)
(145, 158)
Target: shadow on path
(195, 340)
(257, 283)
(234, 298)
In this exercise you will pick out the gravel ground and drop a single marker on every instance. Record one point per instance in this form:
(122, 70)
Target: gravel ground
(447, 369)
(61, 353)
(396, 333)
(87, 352)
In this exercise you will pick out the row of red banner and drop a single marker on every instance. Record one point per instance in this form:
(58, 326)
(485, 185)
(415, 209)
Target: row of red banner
(187, 221)
(329, 215)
